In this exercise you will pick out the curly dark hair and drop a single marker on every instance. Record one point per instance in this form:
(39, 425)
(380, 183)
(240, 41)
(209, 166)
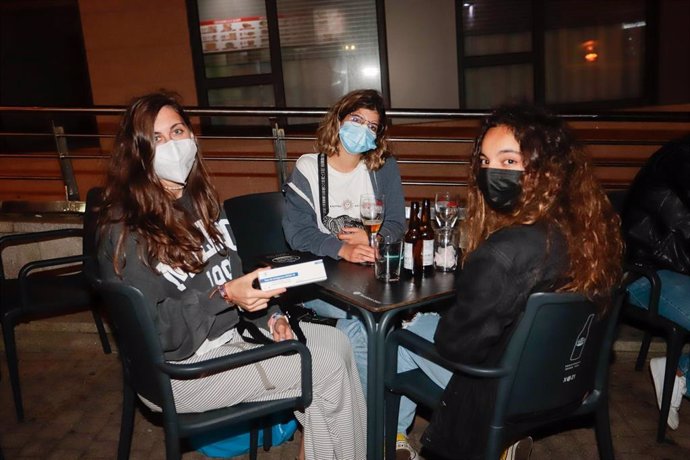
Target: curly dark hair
(135, 197)
(327, 135)
(558, 188)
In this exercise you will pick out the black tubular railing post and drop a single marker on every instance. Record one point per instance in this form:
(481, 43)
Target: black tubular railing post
(279, 151)
(71, 189)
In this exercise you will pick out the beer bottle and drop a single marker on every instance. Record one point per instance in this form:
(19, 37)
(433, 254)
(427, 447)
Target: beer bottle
(410, 240)
(426, 240)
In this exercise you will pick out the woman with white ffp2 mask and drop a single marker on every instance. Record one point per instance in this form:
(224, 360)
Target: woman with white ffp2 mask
(176, 150)
(163, 230)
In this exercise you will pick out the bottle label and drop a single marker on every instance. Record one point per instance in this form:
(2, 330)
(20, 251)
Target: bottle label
(427, 252)
(408, 261)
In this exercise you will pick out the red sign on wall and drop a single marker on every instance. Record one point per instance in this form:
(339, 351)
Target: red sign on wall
(237, 34)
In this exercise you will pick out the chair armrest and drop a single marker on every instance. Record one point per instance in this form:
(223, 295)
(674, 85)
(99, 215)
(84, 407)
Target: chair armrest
(16, 239)
(23, 276)
(654, 281)
(223, 363)
(54, 262)
(427, 349)
(640, 270)
(34, 237)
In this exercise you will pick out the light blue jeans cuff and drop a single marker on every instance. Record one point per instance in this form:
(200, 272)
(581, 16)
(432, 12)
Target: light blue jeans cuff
(353, 328)
(424, 325)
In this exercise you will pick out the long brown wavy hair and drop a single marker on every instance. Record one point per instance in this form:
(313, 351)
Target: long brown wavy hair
(135, 197)
(327, 137)
(558, 188)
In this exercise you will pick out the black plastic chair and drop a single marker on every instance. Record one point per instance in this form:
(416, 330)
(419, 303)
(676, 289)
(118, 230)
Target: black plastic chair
(37, 294)
(256, 221)
(146, 373)
(547, 374)
(653, 324)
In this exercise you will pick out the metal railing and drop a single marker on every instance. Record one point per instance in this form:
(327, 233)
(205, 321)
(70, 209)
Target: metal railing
(668, 122)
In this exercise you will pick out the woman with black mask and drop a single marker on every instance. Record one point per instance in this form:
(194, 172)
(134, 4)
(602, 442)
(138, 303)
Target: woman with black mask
(537, 220)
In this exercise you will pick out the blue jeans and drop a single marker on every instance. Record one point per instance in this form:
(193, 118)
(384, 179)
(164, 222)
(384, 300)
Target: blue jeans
(353, 328)
(674, 303)
(424, 325)
(674, 299)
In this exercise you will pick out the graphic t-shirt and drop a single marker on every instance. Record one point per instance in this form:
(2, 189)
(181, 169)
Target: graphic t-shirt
(344, 190)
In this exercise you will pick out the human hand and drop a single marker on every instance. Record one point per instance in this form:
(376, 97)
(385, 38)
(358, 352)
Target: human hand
(282, 330)
(353, 235)
(241, 292)
(357, 253)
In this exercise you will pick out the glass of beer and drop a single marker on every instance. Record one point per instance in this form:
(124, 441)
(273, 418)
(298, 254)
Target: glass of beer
(371, 210)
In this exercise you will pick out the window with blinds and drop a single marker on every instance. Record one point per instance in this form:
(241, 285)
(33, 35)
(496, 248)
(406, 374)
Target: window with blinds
(234, 37)
(328, 47)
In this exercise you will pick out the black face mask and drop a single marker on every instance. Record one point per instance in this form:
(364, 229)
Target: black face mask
(501, 187)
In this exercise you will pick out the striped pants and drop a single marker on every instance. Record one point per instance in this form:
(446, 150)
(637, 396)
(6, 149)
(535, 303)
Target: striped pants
(335, 422)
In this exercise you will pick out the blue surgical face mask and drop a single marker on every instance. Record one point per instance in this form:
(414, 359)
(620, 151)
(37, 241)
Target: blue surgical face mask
(357, 138)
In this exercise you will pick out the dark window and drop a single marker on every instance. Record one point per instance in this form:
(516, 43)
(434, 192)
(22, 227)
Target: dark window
(566, 53)
(42, 63)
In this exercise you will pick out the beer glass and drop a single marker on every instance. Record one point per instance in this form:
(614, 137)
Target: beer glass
(371, 211)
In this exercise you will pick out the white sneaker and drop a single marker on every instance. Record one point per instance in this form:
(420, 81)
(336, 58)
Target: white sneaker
(403, 449)
(657, 367)
(521, 450)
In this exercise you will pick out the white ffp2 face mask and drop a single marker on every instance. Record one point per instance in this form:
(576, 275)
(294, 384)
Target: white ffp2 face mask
(174, 160)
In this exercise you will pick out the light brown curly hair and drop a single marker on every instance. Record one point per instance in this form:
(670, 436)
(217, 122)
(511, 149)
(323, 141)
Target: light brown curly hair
(558, 188)
(327, 135)
(135, 196)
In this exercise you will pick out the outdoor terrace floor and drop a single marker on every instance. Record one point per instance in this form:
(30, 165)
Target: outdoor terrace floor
(72, 398)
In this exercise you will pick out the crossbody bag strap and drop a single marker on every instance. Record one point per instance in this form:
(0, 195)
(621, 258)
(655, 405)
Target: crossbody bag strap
(255, 334)
(323, 187)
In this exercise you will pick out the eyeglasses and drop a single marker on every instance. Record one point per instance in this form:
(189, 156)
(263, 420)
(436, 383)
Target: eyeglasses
(360, 120)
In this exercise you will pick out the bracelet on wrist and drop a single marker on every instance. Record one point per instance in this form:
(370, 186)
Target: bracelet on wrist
(220, 289)
(273, 319)
(223, 293)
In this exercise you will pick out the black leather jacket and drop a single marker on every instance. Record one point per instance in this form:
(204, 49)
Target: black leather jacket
(492, 287)
(656, 215)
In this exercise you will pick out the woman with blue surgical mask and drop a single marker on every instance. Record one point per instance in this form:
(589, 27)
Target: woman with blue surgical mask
(322, 196)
